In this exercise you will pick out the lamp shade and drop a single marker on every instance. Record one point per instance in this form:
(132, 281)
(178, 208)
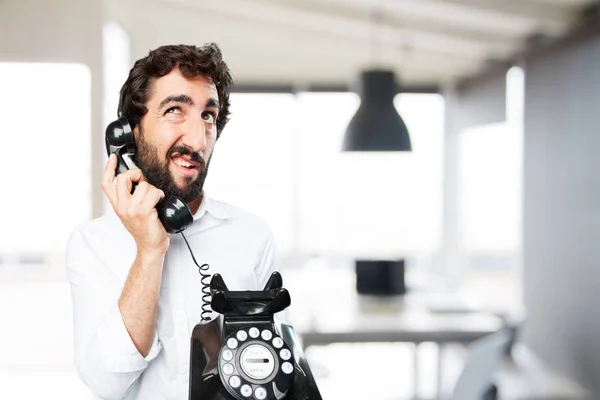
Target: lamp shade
(377, 126)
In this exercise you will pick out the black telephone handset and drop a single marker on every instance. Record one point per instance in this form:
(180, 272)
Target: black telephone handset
(244, 354)
(172, 211)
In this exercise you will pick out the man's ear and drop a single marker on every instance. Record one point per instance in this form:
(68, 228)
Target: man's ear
(136, 132)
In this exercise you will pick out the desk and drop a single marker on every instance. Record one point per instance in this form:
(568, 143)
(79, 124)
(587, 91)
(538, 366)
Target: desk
(402, 326)
(332, 312)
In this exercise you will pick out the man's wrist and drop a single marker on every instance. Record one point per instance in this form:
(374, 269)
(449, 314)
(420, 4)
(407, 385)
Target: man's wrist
(149, 256)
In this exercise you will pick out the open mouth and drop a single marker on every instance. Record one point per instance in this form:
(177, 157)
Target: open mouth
(185, 165)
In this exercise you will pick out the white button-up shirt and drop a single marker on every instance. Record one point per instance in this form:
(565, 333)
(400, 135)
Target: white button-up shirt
(234, 243)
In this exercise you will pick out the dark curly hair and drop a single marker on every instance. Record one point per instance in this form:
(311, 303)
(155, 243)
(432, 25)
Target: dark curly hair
(192, 61)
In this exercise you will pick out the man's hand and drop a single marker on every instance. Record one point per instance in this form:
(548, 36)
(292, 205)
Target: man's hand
(137, 211)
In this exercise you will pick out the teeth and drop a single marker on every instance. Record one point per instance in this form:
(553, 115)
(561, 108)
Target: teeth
(182, 163)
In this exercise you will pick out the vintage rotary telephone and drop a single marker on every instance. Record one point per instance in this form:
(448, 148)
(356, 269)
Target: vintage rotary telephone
(172, 212)
(243, 353)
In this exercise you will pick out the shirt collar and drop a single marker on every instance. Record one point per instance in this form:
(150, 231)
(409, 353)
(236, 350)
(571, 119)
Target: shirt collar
(213, 207)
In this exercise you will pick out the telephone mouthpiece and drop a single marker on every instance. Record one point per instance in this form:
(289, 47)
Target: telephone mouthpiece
(174, 214)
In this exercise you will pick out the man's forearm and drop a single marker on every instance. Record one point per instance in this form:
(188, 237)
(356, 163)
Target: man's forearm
(139, 300)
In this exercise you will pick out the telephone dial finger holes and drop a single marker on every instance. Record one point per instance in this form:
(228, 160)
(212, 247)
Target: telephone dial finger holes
(287, 367)
(227, 355)
(228, 369)
(254, 332)
(253, 357)
(246, 390)
(278, 342)
(285, 354)
(260, 393)
(266, 334)
(242, 335)
(235, 381)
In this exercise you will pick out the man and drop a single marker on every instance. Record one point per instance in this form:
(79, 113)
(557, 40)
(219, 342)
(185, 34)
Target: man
(135, 289)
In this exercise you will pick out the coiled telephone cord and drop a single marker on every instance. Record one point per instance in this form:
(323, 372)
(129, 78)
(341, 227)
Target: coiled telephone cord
(206, 310)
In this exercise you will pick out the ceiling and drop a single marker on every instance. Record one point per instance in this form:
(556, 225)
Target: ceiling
(326, 42)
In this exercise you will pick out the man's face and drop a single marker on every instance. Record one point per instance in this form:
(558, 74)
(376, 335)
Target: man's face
(175, 139)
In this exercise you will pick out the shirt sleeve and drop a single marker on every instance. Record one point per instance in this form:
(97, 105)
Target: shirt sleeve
(267, 262)
(105, 356)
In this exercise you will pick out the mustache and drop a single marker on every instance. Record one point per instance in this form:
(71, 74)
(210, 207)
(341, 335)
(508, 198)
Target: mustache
(184, 151)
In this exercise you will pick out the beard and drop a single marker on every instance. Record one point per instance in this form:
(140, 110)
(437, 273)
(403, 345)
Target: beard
(158, 174)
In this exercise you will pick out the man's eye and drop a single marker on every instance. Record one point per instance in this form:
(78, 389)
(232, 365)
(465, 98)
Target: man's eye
(209, 117)
(173, 110)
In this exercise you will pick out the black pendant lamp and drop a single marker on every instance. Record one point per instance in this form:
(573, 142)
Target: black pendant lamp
(377, 126)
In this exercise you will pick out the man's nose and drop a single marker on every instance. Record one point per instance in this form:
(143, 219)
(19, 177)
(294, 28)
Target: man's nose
(195, 136)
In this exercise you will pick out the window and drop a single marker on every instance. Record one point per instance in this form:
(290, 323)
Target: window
(490, 165)
(490, 171)
(490, 205)
(45, 112)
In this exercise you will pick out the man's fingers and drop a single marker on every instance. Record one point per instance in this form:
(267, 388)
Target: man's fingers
(118, 187)
(139, 193)
(107, 179)
(124, 184)
(153, 196)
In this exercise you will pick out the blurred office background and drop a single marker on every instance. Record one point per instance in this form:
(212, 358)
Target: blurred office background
(495, 211)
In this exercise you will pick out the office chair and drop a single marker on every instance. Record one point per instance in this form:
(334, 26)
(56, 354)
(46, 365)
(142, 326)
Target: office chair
(476, 379)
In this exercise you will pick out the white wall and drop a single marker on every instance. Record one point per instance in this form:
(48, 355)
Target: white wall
(562, 209)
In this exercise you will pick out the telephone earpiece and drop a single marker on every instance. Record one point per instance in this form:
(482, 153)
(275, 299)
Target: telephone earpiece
(172, 211)
(120, 141)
